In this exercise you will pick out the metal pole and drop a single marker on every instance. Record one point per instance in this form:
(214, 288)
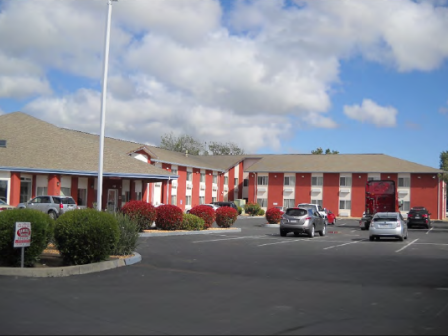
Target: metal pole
(103, 107)
(22, 262)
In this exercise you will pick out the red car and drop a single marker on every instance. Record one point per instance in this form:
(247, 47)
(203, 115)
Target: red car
(331, 218)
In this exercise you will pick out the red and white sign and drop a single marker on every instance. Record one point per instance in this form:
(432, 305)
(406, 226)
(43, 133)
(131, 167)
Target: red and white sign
(22, 237)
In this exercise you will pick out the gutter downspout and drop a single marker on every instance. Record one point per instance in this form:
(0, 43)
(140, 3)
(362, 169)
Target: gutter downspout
(167, 190)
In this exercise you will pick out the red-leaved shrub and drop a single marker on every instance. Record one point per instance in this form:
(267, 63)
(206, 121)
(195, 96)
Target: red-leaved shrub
(141, 212)
(226, 216)
(169, 217)
(206, 213)
(274, 215)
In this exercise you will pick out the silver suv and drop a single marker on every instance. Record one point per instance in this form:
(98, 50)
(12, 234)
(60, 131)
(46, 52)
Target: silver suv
(54, 206)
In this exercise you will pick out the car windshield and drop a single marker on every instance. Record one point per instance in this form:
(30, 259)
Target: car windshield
(385, 219)
(67, 200)
(296, 212)
(307, 206)
(2, 202)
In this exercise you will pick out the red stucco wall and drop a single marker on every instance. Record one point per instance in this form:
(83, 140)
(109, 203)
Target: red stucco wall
(14, 196)
(195, 191)
(275, 190)
(53, 187)
(303, 188)
(252, 185)
(231, 194)
(424, 192)
(181, 187)
(331, 191)
(358, 194)
(208, 186)
(240, 180)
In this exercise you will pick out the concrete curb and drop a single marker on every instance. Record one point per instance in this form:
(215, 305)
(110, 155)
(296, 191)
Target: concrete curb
(186, 233)
(56, 272)
(271, 225)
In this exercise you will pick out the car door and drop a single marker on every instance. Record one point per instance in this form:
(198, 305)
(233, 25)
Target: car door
(34, 203)
(320, 221)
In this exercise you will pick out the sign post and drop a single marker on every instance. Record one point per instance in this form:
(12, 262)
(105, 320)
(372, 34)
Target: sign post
(22, 238)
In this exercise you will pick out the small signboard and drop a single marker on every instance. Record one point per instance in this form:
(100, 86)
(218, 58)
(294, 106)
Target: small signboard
(23, 234)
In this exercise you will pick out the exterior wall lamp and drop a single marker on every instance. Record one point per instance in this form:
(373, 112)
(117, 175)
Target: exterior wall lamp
(57, 183)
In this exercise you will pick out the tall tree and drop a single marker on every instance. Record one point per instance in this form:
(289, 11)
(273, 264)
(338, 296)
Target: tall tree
(181, 144)
(319, 151)
(229, 148)
(444, 166)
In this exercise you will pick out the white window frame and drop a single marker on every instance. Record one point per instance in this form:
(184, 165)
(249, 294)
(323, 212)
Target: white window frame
(288, 203)
(345, 181)
(262, 202)
(317, 181)
(289, 181)
(345, 204)
(263, 180)
(404, 182)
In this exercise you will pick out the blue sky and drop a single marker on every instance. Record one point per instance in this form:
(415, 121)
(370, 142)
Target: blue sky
(272, 76)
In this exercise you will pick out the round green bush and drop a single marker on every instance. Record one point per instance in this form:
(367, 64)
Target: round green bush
(169, 217)
(274, 215)
(252, 209)
(129, 234)
(260, 212)
(144, 213)
(192, 223)
(240, 210)
(41, 233)
(226, 217)
(86, 236)
(206, 213)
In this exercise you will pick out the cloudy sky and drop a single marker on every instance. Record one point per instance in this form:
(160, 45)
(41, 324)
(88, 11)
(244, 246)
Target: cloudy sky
(273, 76)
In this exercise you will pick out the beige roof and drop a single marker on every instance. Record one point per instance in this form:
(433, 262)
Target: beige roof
(35, 145)
(338, 163)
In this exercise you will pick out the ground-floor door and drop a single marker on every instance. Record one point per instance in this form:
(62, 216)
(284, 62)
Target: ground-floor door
(112, 200)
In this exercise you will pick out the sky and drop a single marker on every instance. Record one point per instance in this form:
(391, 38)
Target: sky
(272, 76)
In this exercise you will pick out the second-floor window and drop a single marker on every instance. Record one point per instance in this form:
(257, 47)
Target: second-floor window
(246, 182)
(226, 180)
(215, 179)
(290, 180)
(404, 182)
(189, 176)
(345, 181)
(317, 181)
(202, 177)
(236, 182)
(263, 180)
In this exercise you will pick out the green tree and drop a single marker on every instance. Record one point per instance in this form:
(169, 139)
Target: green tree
(444, 166)
(319, 151)
(229, 148)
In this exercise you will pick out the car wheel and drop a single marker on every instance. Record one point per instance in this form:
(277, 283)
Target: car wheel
(371, 238)
(400, 238)
(311, 232)
(377, 238)
(283, 233)
(323, 231)
(52, 214)
(296, 234)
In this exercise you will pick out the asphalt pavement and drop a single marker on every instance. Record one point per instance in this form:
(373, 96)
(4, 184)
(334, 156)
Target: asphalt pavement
(251, 282)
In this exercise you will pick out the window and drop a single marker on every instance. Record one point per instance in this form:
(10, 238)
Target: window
(297, 212)
(345, 205)
(41, 191)
(174, 199)
(263, 180)
(345, 181)
(65, 191)
(215, 179)
(201, 199)
(290, 181)
(226, 180)
(246, 182)
(189, 175)
(214, 199)
(263, 202)
(202, 177)
(288, 203)
(318, 202)
(174, 171)
(188, 200)
(139, 195)
(371, 179)
(25, 189)
(406, 206)
(236, 182)
(404, 182)
(127, 196)
(4, 190)
(317, 181)
(82, 197)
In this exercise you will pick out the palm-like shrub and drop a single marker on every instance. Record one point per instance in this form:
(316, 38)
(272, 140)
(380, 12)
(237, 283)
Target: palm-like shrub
(226, 217)
(192, 223)
(206, 213)
(128, 240)
(169, 217)
(143, 213)
(274, 215)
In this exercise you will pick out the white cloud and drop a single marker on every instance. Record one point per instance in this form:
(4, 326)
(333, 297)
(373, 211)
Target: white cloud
(370, 112)
(20, 87)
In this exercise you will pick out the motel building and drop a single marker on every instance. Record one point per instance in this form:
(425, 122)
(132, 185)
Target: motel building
(38, 158)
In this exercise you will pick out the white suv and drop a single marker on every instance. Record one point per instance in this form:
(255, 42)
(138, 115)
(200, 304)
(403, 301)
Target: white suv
(315, 207)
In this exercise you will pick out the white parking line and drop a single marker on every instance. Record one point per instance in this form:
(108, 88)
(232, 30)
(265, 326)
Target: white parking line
(412, 242)
(342, 224)
(431, 244)
(355, 242)
(284, 242)
(217, 240)
(430, 230)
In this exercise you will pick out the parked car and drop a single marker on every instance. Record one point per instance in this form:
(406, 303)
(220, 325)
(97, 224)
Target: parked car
(228, 204)
(388, 224)
(331, 218)
(419, 216)
(5, 206)
(315, 207)
(213, 206)
(54, 206)
(302, 220)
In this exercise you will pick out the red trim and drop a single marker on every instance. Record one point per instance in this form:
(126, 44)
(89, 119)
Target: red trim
(275, 189)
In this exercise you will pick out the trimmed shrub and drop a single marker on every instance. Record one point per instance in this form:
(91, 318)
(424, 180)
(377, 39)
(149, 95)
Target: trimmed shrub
(206, 213)
(240, 210)
(252, 209)
(129, 230)
(274, 215)
(169, 217)
(144, 213)
(86, 236)
(41, 233)
(192, 223)
(260, 212)
(226, 217)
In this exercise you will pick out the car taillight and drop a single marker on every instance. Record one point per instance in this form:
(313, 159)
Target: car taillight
(425, 216)
(61, 206)
(398, 224)
(308, 218)
(410, 216)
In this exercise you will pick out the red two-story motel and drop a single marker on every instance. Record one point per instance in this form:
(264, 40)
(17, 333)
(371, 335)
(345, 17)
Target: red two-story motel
(38, 158)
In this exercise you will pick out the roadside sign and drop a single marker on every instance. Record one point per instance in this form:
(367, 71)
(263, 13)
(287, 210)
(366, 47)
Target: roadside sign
(23, 234)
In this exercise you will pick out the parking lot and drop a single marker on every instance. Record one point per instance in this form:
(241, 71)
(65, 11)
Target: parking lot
(252, 282)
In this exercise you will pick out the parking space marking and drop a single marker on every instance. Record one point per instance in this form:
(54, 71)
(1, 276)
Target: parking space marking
(284, 242)
(355, 242)
(217, 240)
(405, 247)
(430, 230)
(342, 224)
(431, 244)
